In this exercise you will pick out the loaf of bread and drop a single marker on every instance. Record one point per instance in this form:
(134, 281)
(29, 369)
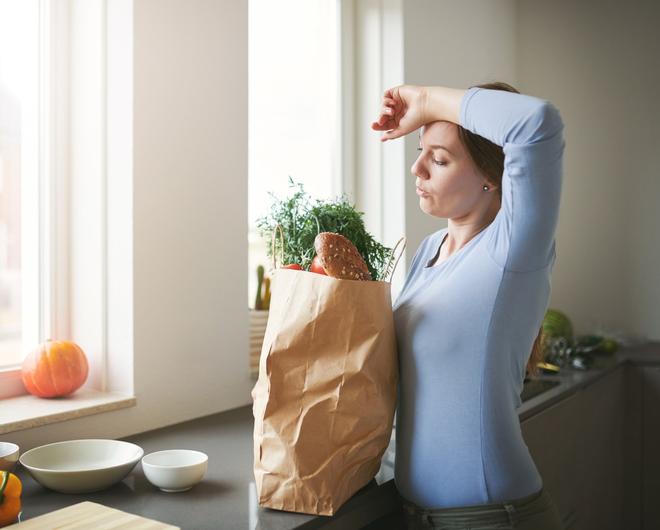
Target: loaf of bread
(340, 258)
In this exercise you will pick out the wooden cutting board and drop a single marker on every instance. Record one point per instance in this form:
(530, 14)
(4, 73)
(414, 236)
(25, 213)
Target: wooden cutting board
(90, 515)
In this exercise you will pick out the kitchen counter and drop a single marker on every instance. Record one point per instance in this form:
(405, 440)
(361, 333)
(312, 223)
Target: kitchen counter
(571, 380)
(226, 498)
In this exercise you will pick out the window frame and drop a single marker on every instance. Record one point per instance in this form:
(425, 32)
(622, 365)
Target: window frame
(378, 44)
(45, 310)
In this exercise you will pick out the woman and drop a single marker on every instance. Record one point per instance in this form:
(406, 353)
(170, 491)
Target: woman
(471, 306)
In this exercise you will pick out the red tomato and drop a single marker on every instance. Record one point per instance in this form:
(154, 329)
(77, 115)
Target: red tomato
(293, 266)
(317, 267)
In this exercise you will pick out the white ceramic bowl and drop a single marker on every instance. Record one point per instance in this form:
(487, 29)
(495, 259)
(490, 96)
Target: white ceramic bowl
(8, 456)
(81, 466)
(175, 469)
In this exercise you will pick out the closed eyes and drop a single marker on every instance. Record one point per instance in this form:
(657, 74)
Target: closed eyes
(436, 162)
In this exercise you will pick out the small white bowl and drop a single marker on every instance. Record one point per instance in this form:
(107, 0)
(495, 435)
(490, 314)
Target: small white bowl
(176, 469)
(8, 456)
(81, 466)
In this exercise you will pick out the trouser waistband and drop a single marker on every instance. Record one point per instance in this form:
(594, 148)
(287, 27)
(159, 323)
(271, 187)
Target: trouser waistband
(504, 512)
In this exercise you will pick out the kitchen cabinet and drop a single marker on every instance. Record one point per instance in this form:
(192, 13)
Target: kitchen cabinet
(551, 438)
(632, 435)
(578, 447)
(600, 447)
(642, 440)
(650, 447)
(597, 451)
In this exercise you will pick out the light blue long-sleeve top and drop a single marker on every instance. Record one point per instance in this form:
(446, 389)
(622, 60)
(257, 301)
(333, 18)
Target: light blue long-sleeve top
(466, 326)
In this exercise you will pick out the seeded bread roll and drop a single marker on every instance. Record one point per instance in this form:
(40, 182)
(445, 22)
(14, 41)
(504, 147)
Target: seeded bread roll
(340, 258)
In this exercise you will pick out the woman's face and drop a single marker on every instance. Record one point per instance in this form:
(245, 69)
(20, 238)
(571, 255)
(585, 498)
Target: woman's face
(449, 185)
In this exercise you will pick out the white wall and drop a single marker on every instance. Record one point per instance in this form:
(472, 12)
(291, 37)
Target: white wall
(189, 220)
(598, 62)
(190, 188)
(454, 43)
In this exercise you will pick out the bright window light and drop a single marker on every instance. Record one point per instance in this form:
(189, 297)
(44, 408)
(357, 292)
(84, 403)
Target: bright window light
(294, 102)
(19, 154)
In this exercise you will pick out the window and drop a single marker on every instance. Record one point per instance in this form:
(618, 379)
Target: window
(19, 150)
(294, 108)
(30, 53)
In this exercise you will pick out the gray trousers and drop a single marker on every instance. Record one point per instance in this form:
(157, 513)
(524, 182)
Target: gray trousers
(534, 512)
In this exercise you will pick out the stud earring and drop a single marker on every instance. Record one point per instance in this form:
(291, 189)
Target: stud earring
(485, 188)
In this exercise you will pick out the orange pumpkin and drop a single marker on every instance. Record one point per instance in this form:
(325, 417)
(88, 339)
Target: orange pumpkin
(55, 368)
(10, 497)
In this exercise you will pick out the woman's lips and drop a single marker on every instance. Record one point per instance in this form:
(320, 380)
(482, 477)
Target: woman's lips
(421, 192)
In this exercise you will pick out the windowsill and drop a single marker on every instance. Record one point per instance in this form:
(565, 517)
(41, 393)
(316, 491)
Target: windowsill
(25, 412)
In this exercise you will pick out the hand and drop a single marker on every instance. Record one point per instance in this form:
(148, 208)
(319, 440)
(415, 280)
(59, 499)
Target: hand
(404, 109)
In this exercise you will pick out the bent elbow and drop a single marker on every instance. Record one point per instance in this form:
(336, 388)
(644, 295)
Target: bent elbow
(545, 122)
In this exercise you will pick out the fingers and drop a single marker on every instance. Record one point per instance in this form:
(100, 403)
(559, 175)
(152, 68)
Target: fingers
(389, 107)
(391, 130)
(387, 110)
(387, 120)
(392, 93)
(390, 135)
(387, 114)
(384, 123)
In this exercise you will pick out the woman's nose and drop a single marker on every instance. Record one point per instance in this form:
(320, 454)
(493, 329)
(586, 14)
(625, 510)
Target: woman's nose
(417, 169)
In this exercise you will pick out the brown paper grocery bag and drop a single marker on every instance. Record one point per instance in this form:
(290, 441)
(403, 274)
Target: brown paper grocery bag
(325, 397)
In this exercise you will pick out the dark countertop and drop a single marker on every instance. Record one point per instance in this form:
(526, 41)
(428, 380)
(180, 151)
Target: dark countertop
(571, 380)
(226, 497)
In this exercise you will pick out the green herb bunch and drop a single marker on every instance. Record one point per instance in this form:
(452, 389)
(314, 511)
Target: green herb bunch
(302, 219)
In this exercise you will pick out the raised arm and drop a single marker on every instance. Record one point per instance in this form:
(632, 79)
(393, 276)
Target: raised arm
(529, 130)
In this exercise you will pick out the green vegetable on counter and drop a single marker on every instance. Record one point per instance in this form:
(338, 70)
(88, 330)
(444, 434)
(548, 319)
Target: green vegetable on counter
(609, 345)
(557, 324)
